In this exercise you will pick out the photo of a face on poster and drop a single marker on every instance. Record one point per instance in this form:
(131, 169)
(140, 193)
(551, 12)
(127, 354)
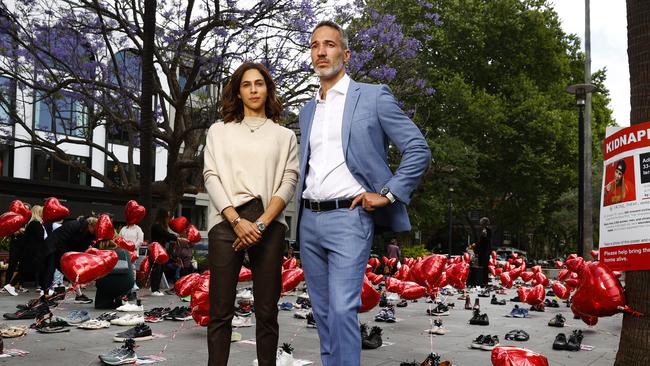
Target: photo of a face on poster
(619, 181)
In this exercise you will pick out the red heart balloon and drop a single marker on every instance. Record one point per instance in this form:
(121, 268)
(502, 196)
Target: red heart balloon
(515, 273)
(493, 254)
(559, 264)
(522, 293)
(290, 263)
(179, 224)
(374, 263)
(599, 294)
(245, 274)
(429, 269)
(466, 257)
(457, 274)
(594, 254)
(124, 244)
(507, 267)
(369, 296)
(384, 260)
(85, 267)
(535, 295)
(193, 234)
(541, 278)
(575, 264)
(498, 271)
(53, 210)
(158, 253)
(133, 212)
(515, 356)
(492, 271)
(134, 257)
(291, 278)
(563, 274)
(10, 222)
(590, 320)
(22, 209)
(561, 291)
(518, 262)
(145, 265)
(377, 279)
(506, 281)
(104, 228)
(514, 255)
(527, 276)
(412, 291)
(537, 269)
(393, 284)
(403, 273)
(186, 284)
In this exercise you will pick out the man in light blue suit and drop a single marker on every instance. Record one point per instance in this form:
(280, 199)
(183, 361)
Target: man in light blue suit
(346, 188)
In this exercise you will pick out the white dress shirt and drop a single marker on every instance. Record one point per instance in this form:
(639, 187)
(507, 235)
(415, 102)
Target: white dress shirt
(328, 176)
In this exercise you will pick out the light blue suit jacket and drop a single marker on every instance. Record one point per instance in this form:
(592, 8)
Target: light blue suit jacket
(372, 118)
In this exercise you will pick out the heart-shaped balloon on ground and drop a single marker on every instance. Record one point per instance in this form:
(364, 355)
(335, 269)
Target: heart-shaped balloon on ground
(393, 284)
(54, 211)
(158, 253)
(104, 229)
(193, 234)
(186, 284)
(369, 296)
(179, 224)
(133, 212)
(22, 209)
(457, 274)
(412, 291)
(83, 268)
(10, 222)
(515, 356)
(291, 278)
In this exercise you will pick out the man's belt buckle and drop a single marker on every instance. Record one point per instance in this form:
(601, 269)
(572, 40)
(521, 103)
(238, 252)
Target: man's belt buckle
(314, 206)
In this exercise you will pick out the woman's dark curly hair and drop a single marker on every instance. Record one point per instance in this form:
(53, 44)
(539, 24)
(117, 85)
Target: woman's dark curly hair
(232, 108)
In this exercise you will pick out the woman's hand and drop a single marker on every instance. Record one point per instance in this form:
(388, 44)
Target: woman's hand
(247, 235)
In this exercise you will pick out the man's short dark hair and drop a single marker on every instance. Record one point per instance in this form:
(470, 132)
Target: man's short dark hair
(331, 24)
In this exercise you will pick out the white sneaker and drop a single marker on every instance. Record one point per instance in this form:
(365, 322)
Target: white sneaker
(245, 295)
(241, 322)
(392, 298)
(128, 319)
(130, 307)
(94, 324)
(282, 358)
(11, 290)
(157, 293)
(301, 313)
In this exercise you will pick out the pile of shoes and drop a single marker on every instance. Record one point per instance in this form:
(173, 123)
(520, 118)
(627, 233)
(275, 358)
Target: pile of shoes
(558, 321)
(179, 313)
(572, 344)
(156, 315)
(485, 342)
(386, 315)
(518, 312)
(370, 340)
(121, 356)
(437, 328)
(517, 335)
(494, 301)
(479, 319)
(32, 310)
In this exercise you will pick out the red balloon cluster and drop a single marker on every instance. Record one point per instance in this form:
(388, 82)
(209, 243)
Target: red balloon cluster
(21, 208)
(369, 296)
(10, 222)
(200, 302)
(193, 234)
(179, 224)
(532, 295)
(133, 212)
(515, 356)
(104, 229)
(186, 284)
(53, 210)
(82, 268)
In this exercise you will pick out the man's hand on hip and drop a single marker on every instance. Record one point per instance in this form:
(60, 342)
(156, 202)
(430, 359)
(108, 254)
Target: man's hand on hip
(370, 201)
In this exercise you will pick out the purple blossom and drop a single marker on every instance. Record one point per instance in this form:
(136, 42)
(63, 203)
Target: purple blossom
(383, 73)
(425, 4)
(429, 91)
(419, 26)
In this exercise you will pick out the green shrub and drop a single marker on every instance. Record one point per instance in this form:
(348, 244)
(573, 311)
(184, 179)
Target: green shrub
(4, 243)
(414, 251)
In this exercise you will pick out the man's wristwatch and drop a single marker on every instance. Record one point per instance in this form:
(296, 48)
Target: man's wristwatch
(385, 192)
(260, 226)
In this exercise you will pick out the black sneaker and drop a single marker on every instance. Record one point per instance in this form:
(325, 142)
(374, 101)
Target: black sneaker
(478, 341)
(522, 336)
(382, 301)
(489, 343)
(108, 316)
(558, 321)
(440, 310)
(82, 299)
(373, 340)
(479, 319)
(402, 304)
(311, 322)
(29, 313)
(121, 356)
(538, 307)
(140, 332)
(515, 299)
(484, 293)
(495, 301)
(575, 341)
(560, 342)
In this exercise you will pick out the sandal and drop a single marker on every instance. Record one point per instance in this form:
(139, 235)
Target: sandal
(13, 331)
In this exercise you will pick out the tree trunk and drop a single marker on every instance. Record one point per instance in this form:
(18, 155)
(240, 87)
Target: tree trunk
(634, 345)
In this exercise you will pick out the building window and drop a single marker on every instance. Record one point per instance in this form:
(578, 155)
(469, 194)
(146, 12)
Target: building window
(6, 159)
(114, 172)
(46, 168)
(62, 114)
(6, 99)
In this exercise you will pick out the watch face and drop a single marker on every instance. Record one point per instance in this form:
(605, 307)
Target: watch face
(384, 191)
(261, 226)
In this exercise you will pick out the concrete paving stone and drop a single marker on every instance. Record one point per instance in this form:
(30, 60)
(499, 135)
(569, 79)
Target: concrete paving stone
(185, 342)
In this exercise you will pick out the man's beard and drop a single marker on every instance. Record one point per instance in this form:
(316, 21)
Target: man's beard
(329, 72)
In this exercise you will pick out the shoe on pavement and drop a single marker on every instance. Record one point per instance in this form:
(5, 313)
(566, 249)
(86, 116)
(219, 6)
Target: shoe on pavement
(468, 303)
(311, 322)
(108, 316)
(479, 319)
(283, 357)
(558, 321)
(82, 299)
(241, 322)
(575, 341)
(478, 341)
(76, 317)
(438, 328)
(373, 340)
(140, 332)
(301, 313)
(560, 342)
(94, 324)
(10, 289)
(489, 342)
(286, 306)
(128, 320)
(440, 310)
(121, 356)
(129, 307)
(157, 293)
(29, 313)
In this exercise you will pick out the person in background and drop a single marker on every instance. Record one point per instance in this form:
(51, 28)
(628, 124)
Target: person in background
(117, 284)
(133, 233)
(160, 233)
(20, 259)
(483, 250)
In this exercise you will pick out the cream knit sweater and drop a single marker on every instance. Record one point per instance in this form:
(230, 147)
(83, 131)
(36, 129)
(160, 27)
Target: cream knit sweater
(240, 165)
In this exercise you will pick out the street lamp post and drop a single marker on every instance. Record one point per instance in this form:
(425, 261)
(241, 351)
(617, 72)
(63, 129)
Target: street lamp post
(451, 206)
(581, 91)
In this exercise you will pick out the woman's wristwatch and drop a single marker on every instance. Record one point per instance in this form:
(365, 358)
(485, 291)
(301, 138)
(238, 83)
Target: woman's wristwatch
(260, 226)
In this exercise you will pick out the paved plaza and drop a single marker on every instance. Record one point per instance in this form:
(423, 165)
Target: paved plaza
(184, 343)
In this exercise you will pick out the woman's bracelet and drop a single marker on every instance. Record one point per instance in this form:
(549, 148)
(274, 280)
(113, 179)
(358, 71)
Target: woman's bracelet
(235, 222)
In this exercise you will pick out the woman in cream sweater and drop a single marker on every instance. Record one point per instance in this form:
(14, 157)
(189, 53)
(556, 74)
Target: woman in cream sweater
(251, 170)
